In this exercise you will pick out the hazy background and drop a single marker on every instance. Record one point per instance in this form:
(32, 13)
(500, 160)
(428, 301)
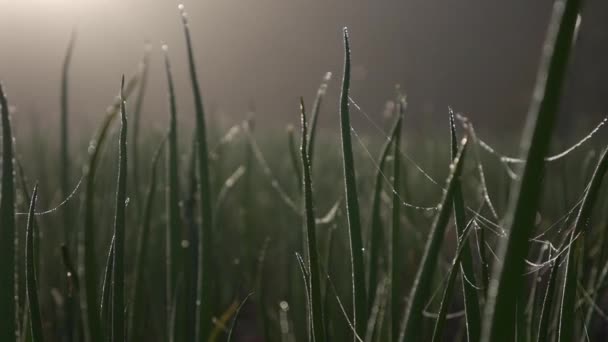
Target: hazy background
(478, 56)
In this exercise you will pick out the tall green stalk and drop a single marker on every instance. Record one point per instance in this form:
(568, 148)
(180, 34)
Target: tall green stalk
(421, 288)
(205, 238)
(89, 304)
(105, 316)
(395, 255)
(375, 231)
(449, 287)
(545, 315)
(118, 280)
(506, 284)
(315, 300)
(471, 300)
(142, 246)
(173, 224)
(352, 202)
(8, 266)
(30, 273)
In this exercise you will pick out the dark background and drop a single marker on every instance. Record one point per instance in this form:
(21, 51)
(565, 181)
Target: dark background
(479, 56)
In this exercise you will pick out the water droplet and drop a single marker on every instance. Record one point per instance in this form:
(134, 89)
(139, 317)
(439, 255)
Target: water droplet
(165, 47)
(180, 7)
(284, 305)
(185, 243)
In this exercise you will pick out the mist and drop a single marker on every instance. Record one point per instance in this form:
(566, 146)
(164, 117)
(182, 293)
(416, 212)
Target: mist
(477, 56)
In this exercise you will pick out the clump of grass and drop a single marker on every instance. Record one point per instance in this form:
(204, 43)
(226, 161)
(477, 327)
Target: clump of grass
(8, 329)
(238, 216)
(568, 310)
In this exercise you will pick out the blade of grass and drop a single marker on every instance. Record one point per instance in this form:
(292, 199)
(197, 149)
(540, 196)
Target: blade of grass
(21, 308)
(421, 288)
(306, 283)
(191, 268)
(30, 274)
(471, 300)
(330, 242)
(376, 313)
(142, 245)
(448, 292)
(106, 293)
(545, 315)
(395, 253)
(375, 233)
(599, 285)
(236, 316)
(8, 329)
(352, 201)
(316, 109)
(65, 136)
(89, 303)
(507, 282)
(260, 283)
(28, 198)
(318, 329)
(567, 312)
(173, 232)
(118, 283)
(206, 237)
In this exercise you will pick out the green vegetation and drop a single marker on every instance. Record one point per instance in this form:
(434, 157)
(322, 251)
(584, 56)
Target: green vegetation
(252, 238)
